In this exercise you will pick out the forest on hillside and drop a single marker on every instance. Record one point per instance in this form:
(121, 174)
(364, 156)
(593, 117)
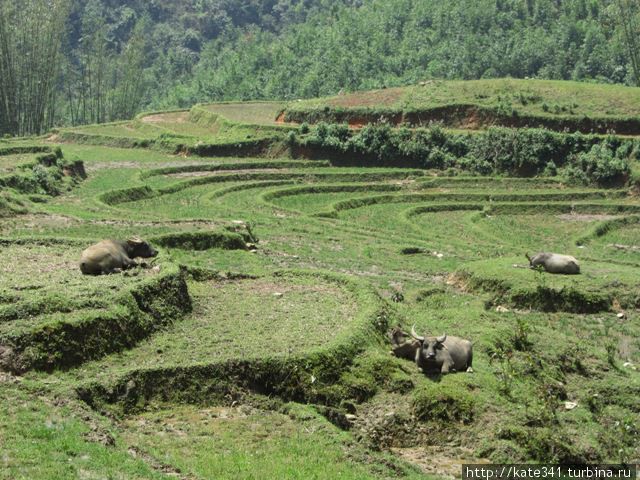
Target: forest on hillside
(71, 62)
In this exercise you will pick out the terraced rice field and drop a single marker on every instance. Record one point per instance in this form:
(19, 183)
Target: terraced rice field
(221, 360)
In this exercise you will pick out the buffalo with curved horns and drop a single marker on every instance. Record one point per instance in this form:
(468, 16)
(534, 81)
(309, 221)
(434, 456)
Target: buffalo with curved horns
(443, 354)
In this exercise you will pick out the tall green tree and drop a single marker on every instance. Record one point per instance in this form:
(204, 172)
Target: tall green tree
(129, 83)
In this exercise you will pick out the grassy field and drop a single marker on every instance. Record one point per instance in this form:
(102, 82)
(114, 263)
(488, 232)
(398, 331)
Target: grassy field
(527, 96)
(258, 113)
(221, 360)
(480, 103)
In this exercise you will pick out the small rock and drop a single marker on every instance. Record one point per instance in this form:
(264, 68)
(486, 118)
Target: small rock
(156, 269)
(581, 246)
(278, 294)
(349, 417)
(501, 309)
(621, 315)
(570, 405)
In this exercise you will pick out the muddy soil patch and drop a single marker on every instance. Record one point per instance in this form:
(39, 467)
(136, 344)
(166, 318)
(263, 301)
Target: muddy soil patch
(440, 461)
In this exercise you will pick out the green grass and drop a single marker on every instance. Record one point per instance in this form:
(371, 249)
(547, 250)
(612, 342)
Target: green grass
(261, 113)
(599, 286)
(270, 317)
(200, 130)
(229, 443)
(40, 278)
(45, 439)
(8, 163)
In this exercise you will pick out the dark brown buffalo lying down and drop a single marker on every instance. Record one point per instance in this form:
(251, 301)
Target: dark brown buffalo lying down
(110, 256)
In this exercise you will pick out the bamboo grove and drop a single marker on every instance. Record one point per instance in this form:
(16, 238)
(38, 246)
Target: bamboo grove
(42, 84)
(30, 46)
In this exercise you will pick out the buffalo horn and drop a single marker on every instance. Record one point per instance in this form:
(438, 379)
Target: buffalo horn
(415, 335)
(442, 338)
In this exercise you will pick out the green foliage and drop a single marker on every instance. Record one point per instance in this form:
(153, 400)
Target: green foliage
(548, 292)
(44, 176)
(473, 40)
(602, 165)
(502, 151)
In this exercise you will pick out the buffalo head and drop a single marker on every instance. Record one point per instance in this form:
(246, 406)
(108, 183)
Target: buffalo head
(140, 248)
(429, 346)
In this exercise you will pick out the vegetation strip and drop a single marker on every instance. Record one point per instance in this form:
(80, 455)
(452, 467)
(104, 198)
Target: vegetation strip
(294, 377)
(65, 343)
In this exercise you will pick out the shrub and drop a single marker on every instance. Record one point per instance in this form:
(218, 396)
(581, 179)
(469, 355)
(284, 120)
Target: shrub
(603, 166)
(443, 401)
(322, 131)
(517, 152)
(46, 179)
(551, 170)
(499, 151)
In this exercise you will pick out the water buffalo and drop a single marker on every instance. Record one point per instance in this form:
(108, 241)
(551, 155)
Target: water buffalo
(403, 346)
(555, 263)
(110, 256)
(443, 354)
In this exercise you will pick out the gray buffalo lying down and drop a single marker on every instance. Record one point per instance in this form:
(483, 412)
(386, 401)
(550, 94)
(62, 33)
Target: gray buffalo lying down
(444, 354)
(110, 256)
(555, 263)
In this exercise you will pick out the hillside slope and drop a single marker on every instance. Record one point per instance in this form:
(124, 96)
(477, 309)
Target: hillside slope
(557, 105)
